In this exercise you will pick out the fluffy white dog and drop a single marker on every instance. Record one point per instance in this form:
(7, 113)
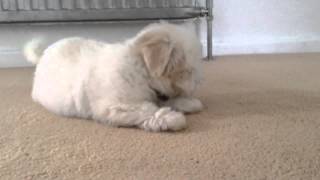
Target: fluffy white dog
(146, 82)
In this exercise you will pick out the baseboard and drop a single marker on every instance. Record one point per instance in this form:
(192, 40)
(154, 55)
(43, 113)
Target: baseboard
(12, 58)
(264, 47)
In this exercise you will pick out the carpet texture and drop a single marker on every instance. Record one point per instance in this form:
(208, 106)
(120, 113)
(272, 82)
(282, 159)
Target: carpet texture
(262, 121)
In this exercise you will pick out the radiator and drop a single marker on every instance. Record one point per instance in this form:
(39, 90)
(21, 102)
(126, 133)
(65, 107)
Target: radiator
(37, 11)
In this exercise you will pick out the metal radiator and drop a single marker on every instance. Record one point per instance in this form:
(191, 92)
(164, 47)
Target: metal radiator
(37, 11)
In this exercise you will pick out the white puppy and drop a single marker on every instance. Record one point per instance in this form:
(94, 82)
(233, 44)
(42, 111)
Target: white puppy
(145, 82)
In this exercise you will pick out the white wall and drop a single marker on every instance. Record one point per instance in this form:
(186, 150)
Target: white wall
(266, 26)
(14, 37)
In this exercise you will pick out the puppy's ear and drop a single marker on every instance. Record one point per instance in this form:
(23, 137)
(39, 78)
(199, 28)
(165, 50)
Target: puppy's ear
(177, 61)
(156, 49)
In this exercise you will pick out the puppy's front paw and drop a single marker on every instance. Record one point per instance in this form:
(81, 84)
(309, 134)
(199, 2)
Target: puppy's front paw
(171, 120)
(195, 106)
(166, 119)
(186, 105)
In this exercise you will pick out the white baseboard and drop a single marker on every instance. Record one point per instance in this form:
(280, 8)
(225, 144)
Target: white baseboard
(264, 47)
(12, 58)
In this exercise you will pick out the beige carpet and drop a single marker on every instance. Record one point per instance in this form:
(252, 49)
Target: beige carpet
(262, 122)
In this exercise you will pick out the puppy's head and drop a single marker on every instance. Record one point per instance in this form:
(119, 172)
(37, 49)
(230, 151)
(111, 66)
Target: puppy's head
(172, 55)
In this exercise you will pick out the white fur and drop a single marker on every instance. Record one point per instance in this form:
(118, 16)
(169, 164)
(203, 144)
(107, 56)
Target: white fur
(33, 50)
(110, 83)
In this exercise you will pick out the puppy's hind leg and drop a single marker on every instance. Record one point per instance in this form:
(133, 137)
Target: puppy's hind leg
(146, 116)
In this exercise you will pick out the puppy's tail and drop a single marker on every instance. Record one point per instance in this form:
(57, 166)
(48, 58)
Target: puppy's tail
(33, 50)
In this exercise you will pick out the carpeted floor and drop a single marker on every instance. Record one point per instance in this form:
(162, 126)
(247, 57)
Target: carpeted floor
(262, 122)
